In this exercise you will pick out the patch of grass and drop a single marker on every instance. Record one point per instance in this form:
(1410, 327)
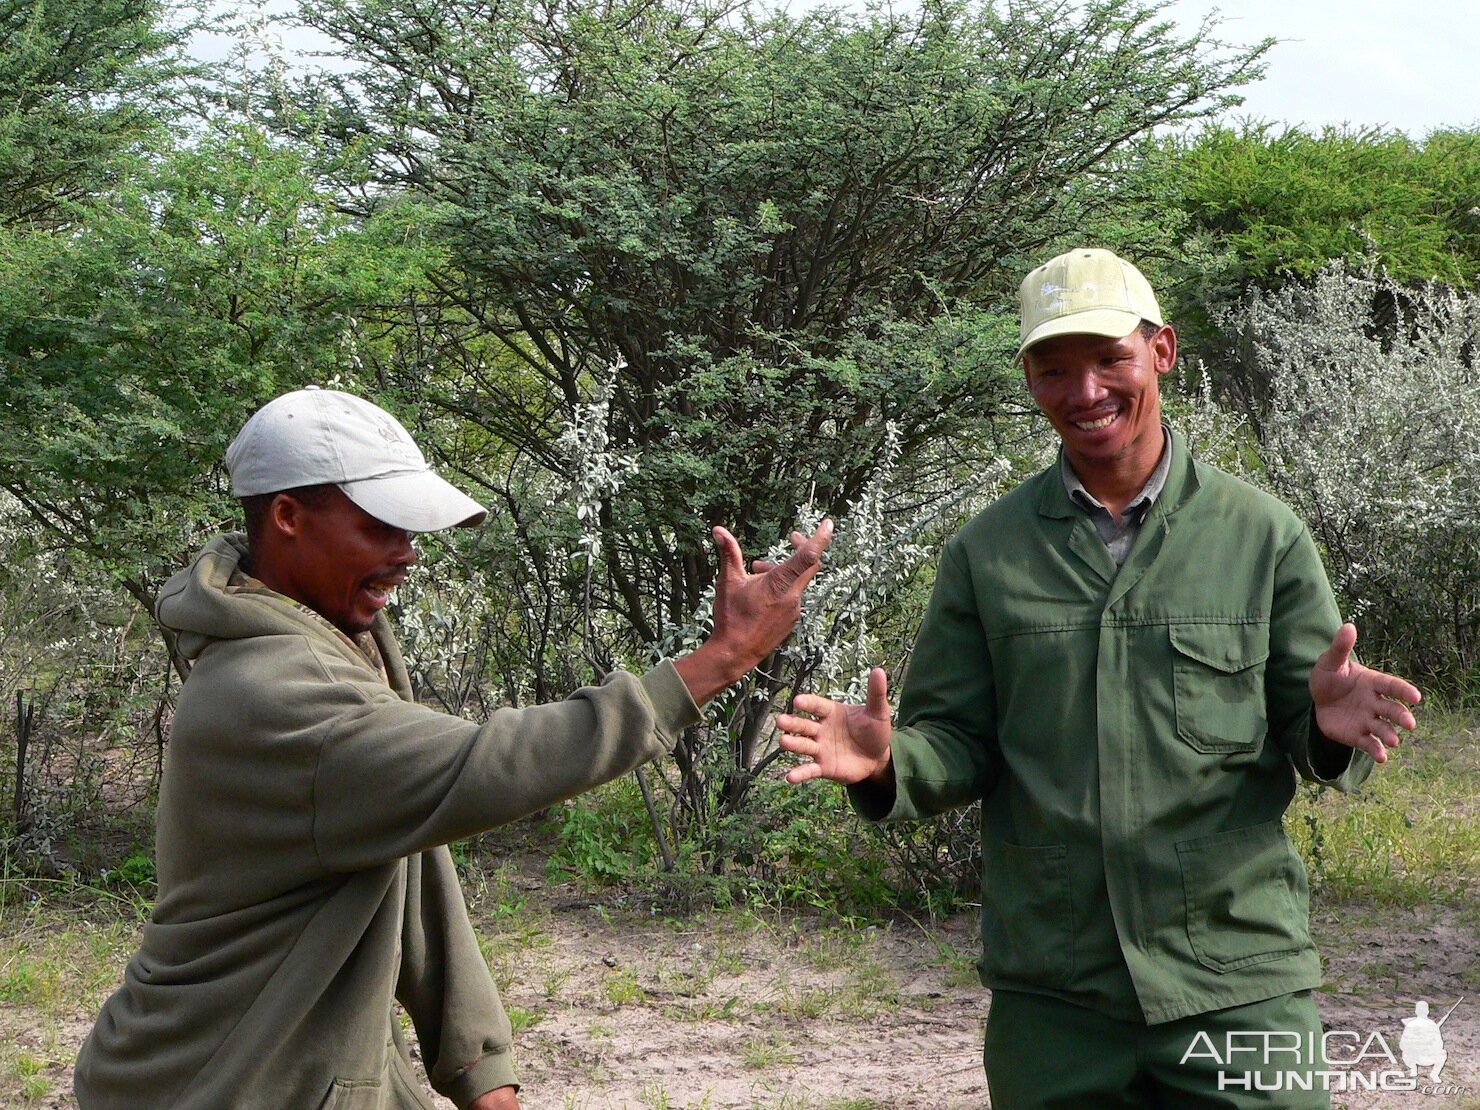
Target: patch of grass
(521, 1019)
(29, 1074)
(806, 1005)
(1411, 835)
(805, 1102)
(654, 1096)
(725, 1009)
(622, 988)
(555, 982)
(763, 1053)
(833, 949)
(872, 991)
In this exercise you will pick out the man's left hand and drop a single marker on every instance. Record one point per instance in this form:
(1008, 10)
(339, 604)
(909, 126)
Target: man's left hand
(1357, 706)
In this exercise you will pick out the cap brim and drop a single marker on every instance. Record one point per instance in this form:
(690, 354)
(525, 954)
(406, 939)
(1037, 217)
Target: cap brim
(418, 501)
(1112, 323)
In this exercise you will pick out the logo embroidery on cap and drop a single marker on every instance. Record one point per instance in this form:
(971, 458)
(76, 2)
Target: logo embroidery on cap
(393, 438)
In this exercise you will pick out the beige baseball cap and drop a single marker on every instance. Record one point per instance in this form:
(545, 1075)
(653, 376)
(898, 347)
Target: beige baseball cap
(1086, 291)
(319, 436)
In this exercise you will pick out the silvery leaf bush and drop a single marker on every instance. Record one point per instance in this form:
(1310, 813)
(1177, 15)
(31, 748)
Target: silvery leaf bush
(1373, 437)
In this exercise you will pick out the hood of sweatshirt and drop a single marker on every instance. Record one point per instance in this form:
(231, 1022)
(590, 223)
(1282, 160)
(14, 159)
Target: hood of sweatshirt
(201, 604)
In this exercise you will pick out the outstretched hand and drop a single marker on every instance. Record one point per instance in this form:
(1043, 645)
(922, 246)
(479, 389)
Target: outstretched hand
(1356, 705)
(753, 612)
(845, 743)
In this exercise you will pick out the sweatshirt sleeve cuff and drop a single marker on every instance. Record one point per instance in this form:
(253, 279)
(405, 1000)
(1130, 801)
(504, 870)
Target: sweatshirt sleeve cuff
(673, 706)
(488, 1073)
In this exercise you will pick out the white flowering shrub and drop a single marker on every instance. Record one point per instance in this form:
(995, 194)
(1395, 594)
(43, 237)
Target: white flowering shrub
(860, 611)
(1373, 437)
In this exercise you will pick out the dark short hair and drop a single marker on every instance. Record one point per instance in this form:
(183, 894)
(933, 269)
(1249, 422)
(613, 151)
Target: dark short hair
(1149, 329)
(255, 507)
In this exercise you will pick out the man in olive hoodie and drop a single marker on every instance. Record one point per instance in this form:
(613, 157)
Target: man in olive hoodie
(1127, 659)
(307, 800)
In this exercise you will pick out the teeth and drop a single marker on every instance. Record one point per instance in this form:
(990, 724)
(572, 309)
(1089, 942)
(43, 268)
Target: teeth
(1096, 425)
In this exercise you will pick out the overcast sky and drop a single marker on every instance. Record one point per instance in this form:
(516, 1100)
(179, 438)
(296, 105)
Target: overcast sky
(1408, 64)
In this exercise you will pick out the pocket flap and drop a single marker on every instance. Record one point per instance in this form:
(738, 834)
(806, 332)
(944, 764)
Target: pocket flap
(1224, 647)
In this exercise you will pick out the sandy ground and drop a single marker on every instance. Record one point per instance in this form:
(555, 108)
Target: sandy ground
(785, 1014)
(617, 1006)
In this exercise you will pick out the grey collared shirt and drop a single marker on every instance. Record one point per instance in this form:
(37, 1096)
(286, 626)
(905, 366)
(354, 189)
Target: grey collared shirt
(1120, 538)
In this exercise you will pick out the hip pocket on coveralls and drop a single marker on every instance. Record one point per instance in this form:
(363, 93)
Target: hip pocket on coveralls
(1247, 898)
(1218, 685)
(1028, 915)
(353, 1094)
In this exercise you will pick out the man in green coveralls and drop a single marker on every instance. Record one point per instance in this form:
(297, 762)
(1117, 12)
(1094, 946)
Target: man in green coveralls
(1127, 659)
(307, 800)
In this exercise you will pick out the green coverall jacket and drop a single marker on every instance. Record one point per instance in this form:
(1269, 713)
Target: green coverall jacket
(1134, 735)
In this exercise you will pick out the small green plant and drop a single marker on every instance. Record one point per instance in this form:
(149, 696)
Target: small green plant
(764, 1053)
(136, 869)
(521, 1019)
(29, 1069)
(603, 835)
(622, 988)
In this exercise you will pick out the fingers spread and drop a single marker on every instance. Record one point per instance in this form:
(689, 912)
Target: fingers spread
(1385, 734)
(797, 726)
(1391, 686)
(798, 745)
(1396, 712)
(814, 704)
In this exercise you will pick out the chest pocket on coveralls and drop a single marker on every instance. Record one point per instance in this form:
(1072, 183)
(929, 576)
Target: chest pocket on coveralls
(1218, 684)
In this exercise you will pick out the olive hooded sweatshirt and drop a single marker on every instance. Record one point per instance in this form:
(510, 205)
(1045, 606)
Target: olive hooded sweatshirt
(304, 879)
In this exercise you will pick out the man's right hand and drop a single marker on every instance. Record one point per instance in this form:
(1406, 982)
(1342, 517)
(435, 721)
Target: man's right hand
(845, 743)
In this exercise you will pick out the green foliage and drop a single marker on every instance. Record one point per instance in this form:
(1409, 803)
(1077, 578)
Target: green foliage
(603, 835)
(131, 350)
(137, 869)
(82, 84)
(1285, 202)
(1264, 205)
(775, 227)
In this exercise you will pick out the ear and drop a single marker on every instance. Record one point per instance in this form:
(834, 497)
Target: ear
(285, 515)
(1164, 349)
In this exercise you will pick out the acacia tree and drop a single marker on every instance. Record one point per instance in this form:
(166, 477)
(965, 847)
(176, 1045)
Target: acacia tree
(784, 232)
(82, 84)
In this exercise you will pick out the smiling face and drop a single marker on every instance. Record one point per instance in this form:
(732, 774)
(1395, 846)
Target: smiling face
(1102, 396)
(336, 558)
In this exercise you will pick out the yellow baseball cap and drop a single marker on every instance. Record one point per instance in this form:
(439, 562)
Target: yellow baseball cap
(1086, 291)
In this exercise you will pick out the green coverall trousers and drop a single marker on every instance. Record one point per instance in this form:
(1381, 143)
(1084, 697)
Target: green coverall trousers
(1046, 1054)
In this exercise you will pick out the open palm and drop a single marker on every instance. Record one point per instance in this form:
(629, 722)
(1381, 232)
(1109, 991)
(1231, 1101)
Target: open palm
(845, 743)
(1356, 705)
